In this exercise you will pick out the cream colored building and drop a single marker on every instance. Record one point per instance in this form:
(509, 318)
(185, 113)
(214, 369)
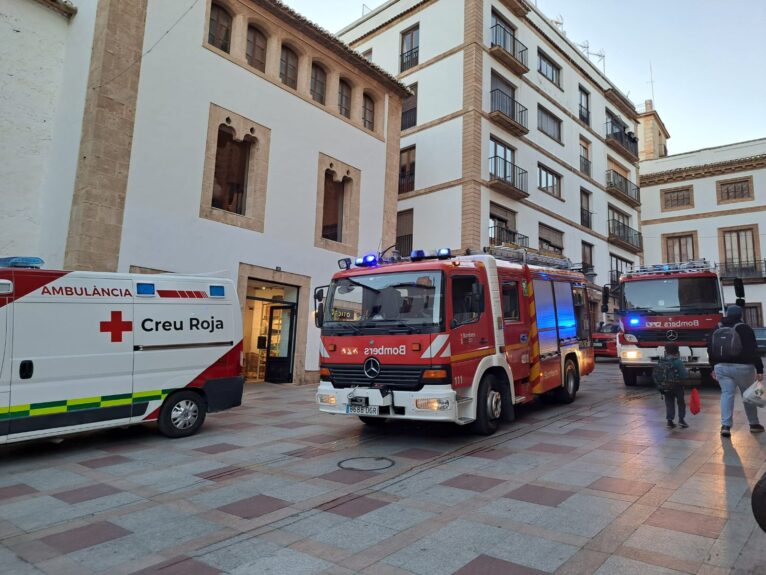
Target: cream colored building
(710, 204)
(513, 137)
(225, 136)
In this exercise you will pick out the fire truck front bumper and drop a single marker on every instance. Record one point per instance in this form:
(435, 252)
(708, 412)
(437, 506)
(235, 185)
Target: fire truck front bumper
(632, 356)
(432, 402)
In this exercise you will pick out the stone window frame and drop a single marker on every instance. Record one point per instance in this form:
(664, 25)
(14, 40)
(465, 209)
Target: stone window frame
(754, 228)
(351, 205)
(695, 243)
(720, 183)
(665, 191)
(257, 171)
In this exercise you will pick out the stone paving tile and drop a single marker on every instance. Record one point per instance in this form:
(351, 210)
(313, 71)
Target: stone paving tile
(308, 452)
(218, 448)
(354, 535)
(86, 536)
(539, 494)
(486, 565)
(551, 448)
(687, 522)
(676, 544)
(354, 506)
(225, 473)
(348, 476)
(493, 453)
(415, 453)
(623, 486)
(100, 462)
(617, 565)
(86, 493)
(254, 506)
(179, 566)
(17, 490)
(473, 482)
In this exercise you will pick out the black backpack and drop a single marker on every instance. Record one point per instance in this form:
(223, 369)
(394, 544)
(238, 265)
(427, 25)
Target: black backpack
(726, 344)
(664, 375)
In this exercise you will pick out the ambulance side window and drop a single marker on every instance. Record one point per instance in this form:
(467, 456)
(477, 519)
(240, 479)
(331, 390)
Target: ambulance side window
(511, 310)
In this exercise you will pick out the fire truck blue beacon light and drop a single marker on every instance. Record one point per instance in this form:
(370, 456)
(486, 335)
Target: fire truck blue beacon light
(417, 255)
(444, 253)
(633, 321)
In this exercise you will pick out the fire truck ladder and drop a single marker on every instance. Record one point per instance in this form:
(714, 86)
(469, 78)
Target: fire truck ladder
(523, 256)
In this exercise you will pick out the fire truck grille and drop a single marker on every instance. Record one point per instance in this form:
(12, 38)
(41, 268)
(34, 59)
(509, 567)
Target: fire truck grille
(683, 335)
(396, 376)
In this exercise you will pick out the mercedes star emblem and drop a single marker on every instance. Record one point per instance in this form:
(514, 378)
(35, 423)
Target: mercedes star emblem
(371, 368)
(671, 335)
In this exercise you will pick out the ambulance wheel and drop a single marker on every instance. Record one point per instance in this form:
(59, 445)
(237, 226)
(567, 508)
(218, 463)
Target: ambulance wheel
(182, 414)
(373, 421)
(567, 392)
(489, 406)
(758, 502)
(629, 376)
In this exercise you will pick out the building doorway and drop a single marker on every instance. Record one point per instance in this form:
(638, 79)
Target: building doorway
(269, 338)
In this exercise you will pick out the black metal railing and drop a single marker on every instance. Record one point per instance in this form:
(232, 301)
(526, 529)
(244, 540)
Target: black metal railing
(499, 235)
(409, 118)
(404, 244)
(408, 59)
(625, 233)
(506, 39)
(502, 170)
(406, 182)
(616, 131)
(585, 165)
(623, 184)
(586, 218)
(505, 104)
(585, 114)
(744, 270)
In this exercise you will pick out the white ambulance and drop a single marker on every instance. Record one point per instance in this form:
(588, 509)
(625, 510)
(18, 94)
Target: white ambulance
(89, 350)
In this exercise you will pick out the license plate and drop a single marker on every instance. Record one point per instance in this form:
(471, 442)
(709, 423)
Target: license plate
(598, 344)
(362, 409)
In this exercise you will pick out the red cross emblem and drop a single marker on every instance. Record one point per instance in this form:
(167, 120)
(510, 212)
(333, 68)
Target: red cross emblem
(116, 326)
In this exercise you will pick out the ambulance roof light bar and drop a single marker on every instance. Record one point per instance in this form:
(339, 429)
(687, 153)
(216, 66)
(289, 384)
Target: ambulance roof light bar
(21, 262)
(522, 256)
(701, 265)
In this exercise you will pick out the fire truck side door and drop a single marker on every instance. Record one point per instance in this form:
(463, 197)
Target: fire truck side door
(547, 333)
(470, 331)
(515, 329)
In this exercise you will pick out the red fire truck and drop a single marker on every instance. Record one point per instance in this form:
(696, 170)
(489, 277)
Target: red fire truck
(667, 303)
(460, 339)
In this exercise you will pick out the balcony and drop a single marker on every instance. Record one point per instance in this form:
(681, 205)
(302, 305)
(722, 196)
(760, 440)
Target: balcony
(585, 165)
(586, 218)
(502, 236)
(506, 48)
(406, 182)
(409, 118)
(618, 139)
(404, 244)
(585, 115)
(507, 178)
(614, 278)
(508, 113)
(748, 272)
(625, 237)
(409, 59)
(518, 7)
(622, 188)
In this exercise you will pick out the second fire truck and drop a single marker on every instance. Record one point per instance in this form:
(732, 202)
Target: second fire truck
(460, 339)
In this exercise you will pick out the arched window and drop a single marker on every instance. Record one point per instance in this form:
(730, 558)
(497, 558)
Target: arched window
(344, 98)
(368, 112)
(256, 48)
(288, 67)
(230, 178)
(219, 28)
(318, 83)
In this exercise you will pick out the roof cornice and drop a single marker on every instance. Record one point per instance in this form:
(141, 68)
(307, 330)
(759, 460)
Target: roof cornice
(703, 171)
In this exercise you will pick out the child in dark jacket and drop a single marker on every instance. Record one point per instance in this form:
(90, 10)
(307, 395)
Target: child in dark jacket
(676, 393)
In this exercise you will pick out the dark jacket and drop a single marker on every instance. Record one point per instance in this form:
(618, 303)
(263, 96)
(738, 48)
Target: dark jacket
(678, 366)
(749, 354)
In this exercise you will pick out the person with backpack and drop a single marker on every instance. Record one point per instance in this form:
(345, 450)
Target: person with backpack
(733, 353)
(667, 376)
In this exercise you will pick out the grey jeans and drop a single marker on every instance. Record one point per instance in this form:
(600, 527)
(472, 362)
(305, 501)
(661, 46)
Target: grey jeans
(730, 377)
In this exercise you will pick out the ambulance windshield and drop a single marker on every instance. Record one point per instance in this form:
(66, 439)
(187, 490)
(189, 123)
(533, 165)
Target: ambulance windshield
(403, 299)
(673, 295)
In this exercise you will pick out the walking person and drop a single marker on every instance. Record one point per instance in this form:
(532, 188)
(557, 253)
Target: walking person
(733, 353)
(673, 389)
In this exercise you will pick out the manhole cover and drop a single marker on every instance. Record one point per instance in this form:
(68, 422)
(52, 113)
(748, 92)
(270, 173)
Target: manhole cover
(366, 463)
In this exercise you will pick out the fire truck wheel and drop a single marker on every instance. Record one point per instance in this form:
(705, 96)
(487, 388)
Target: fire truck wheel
(629, 376)
(182, 414)
(373, 421)
(567, 393)
(758, 502)
(489, 406)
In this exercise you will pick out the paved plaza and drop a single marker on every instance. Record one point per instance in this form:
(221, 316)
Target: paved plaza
(275, 487)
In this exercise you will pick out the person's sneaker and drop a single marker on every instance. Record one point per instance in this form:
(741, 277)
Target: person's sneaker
(682, 423)
(670, 423)
(756, 428)
(725, 431)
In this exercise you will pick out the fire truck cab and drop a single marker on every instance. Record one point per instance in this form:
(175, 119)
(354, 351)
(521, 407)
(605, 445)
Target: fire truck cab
(666, 303)
(459, 339)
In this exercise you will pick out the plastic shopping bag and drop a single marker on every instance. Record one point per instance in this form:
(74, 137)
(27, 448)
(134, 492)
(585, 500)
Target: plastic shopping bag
(694, 402)
(755, 394)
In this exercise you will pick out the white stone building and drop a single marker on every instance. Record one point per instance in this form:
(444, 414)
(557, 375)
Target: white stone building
(228, 136)
(513, 137)
(708, 204)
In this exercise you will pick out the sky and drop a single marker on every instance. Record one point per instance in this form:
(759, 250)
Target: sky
(707, 57)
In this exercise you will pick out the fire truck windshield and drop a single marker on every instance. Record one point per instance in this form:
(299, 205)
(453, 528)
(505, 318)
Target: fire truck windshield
(672, 295)
(409, 300)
